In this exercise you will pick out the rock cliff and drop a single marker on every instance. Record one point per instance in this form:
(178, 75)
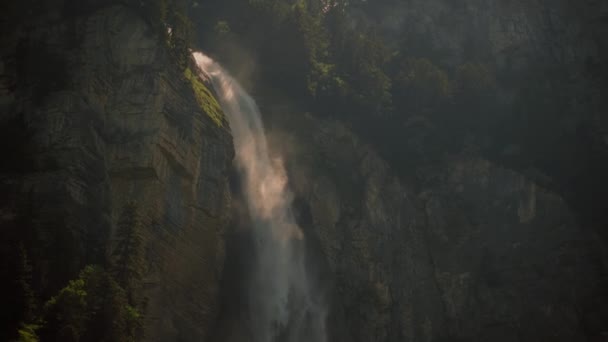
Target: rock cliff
(466, 251)
(95, 114)
(549, 60)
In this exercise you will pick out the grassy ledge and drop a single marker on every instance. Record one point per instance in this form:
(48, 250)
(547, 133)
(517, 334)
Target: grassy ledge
(205, 98)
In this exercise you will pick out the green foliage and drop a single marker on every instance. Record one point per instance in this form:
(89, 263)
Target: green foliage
(128, 251)
(320, 78)
(420, 85)
(181, 38)
(132, 313)
(293, 42)
(372, 89)
(331, 61)
(170, 21)
(92, 307)
(473, 80)
(27, 333)
(313, 36)
(276, 10)
(309, 50)
(221, 27)
(68, 311)
(360, 57)
(154, 11)
(474, 97)
(205, 98)
(163, 10)
(23, 298)
(133, 322)
(68, 314)
(24, 279)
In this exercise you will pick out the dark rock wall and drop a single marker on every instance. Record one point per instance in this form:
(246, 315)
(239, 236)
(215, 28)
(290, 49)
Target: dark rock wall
(467, 251)
(94, 114)
(550, 61)
(108, 118)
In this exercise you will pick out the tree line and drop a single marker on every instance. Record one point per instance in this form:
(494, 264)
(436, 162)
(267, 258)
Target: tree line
(104, 303)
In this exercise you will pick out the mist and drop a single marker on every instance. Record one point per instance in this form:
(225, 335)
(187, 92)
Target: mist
(283, 305)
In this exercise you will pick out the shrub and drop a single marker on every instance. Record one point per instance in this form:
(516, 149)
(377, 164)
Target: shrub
(91, 307)
(420, 85)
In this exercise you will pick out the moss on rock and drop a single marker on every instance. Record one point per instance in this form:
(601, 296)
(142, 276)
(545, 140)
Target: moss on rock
(205, 98)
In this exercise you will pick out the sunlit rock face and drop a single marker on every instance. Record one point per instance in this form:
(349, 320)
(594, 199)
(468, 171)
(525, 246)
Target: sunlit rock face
(467, 251)
(110, 119)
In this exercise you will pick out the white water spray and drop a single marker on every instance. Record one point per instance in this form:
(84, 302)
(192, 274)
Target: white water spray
(283, 305)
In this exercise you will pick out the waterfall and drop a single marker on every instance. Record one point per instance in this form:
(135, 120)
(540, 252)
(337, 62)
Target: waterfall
(283, 306)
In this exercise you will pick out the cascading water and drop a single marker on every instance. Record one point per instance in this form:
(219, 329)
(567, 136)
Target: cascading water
(283, 305)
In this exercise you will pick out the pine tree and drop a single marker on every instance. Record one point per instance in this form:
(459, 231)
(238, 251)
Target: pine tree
(24, 279)
(25, 298)
(127, 255)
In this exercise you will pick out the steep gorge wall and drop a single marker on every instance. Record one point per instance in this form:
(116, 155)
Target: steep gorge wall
(548, 57)
(107, 118)
(467, 251)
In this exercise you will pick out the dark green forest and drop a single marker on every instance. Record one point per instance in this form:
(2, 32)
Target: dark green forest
(405, 98)
(102, 303)
(334, 60)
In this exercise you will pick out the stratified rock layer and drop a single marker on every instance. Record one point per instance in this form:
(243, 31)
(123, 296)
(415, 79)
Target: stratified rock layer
(95, 114)
(109, 119)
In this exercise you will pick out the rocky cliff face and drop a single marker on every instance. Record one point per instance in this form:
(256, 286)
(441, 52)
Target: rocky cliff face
(94, 114)
(549, 60)
(101, 116)
(467, 251)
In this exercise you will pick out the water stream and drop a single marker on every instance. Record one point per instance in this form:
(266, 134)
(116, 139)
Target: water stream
(283, 306)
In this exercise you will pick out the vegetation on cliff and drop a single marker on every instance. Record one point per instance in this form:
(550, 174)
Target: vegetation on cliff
(204, 97)
(328, 58)
(100, 304)
(415, 105)
(313, 52)
(92, 307)
(175, 29)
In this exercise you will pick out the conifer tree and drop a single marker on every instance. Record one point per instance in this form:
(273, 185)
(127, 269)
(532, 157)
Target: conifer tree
(127, 255)
(25, 297)
(23, 279)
